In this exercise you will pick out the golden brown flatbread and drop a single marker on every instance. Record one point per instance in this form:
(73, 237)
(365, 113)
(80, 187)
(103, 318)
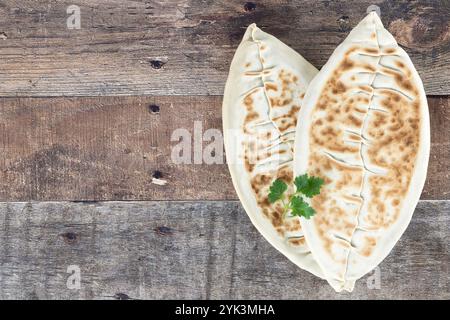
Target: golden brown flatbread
(365, 131)
(263, 95)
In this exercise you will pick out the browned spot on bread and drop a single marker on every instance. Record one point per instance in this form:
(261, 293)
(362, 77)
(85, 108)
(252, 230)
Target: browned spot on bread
(390, 51)
(347, 64)
(350, 51)
(360, 110)
(368, 67)
(273, 102)
(366, 88)
(368, 246)
(354, 121)
(249, 166)
(338, 87)
(271, 86)
(248, 101)
(285, 102)
(297, 241)
(404, 83)
(248, 64)
(399, 64)
(252, 115)
(371, 50)
(285, 174)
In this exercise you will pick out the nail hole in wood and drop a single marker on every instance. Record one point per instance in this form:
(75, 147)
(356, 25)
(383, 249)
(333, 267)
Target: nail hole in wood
(164, 231)
(249, 6)
(157, 174)
(344, 23)
(154, 108)
(69, 237)
(157, 64)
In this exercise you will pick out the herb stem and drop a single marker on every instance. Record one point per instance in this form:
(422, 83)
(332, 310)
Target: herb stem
(285, 207)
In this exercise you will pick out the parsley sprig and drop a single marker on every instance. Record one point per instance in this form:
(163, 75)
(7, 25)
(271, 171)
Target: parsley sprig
(307, 186)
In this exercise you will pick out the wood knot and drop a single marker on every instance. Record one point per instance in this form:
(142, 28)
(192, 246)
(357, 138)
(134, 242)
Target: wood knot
(344, 23)
(69, 237)
(421, 32)
(157, 64)
(249, 6)
(153, 108)
(164, 231)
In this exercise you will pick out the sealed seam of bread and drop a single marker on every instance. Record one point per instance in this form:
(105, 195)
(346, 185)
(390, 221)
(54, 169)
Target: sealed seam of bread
(365, 130)
(263, 95)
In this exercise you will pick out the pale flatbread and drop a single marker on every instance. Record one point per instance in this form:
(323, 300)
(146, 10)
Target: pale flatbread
(365, 130)
(263, 95)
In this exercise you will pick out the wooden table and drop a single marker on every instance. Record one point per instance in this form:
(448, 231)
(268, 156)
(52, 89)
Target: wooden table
(86, 121)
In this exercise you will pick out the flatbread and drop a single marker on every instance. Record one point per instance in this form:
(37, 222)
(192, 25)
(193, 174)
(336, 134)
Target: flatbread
(365, 130)
(263, 94)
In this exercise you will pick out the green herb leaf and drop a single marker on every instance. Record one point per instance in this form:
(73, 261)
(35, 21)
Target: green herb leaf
(313, 188)
(300, 208)
(301, 182)
(276, 190)
(309, 186)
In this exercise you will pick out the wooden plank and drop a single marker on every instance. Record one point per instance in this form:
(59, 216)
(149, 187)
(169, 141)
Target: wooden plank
(105, 149)
(439, 165)
(200, 250)
(184, 47)
(109, 148)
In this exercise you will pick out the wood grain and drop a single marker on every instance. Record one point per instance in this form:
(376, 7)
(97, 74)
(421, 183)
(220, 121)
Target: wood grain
(438, 178)
(192, 250)
(109, 148)
(184, 47)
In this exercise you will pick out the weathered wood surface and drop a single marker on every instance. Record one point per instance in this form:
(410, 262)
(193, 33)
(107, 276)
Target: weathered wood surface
(109, 148)
(200, 250)
(184, 47)
(104, 149)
